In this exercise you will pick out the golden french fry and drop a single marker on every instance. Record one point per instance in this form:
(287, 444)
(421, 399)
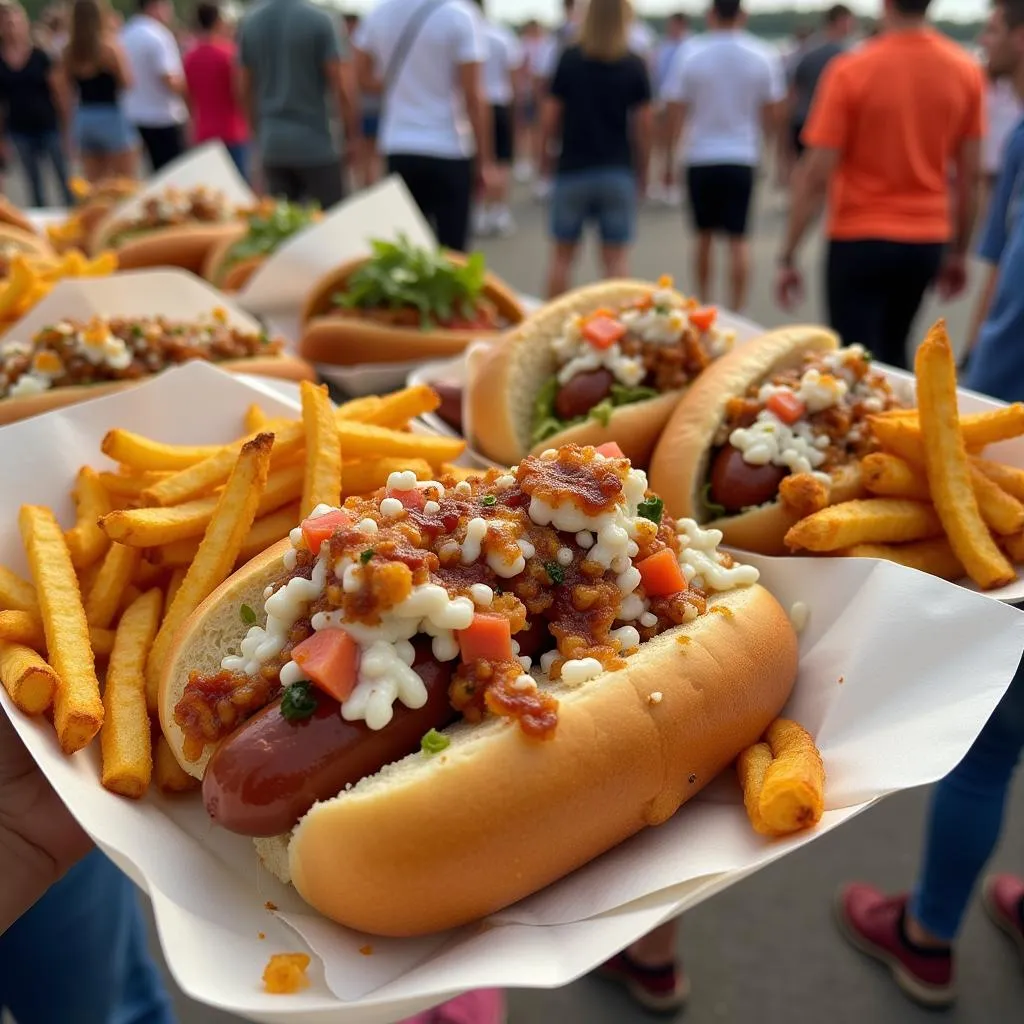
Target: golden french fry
(751, 767)
(26, 628)
(361, 440)
(30, 682)
(148, 575)
(143, 454)
(85, 540)
(892, 477)
(255, 419)
(115, 576)
(1002, 512)
(803, 493)
(865, 521)
(268, 530)
(174, 584)
(125, 743)
(365, 475)
(358, 408)
(231, 522)
(130, 485)
(322, 484)
(933, 556)
(1009, 478)
(153, 527)
(397, 409)
(203, 477)
(793, 795)
(103, 264)
(16, 594)
(946, 461)
(78, 710)
(169, 776)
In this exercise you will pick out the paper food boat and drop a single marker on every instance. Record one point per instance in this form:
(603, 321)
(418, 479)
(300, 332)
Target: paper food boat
(899, 671)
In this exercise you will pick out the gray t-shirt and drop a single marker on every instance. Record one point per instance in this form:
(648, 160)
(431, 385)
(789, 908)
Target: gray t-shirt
(806, 75)
(285, 45)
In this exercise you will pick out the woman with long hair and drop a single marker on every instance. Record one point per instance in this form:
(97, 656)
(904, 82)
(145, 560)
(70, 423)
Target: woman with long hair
(97, 70)
(599, 104)
(35, 103)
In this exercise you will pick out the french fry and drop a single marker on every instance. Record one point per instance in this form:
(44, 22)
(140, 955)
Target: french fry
(30, 682)
(125, 742)
(900, 438)
(322, 484)
(130, 485)
(203, 477)
(865, 521)
(1002, 512)
(143, 454)
(85, 540)
(803, 493)
(148, 575)
(946, 461)
(892, 477)
(751, 767)
(169, 776)
(358, 408)
(78, 710)
(26, 628)
(129, 595)
(397, 409)
(268, 530)
(978, 429)
(1009, 478)
(231, 522)
(16, 594)
(255, 419)
(793, 795)
(115, 575)
(174, 584)
(365, 475)
(153, 527)
(933, 556)
(361, 440)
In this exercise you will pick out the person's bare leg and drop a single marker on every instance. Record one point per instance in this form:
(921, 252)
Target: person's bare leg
(739, 273)
(560, 272)
(124, 164)
(93, 167)
(615, 260)
(920, 936)
(657, 948)
(702, 265)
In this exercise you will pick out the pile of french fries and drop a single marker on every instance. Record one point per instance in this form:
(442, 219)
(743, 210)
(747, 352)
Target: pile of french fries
(936, 503)
(32, 278)
(154, 536)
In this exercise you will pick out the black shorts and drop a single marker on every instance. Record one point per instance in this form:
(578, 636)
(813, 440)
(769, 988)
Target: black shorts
(720, 197)
(795, 133)
(504, 135)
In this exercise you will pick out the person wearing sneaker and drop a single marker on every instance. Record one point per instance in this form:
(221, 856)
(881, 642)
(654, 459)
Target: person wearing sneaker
(650, 971)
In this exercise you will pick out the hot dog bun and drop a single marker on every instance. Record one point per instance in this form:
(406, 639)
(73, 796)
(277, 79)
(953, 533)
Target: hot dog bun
(185, 245)
(10, 214)
(496, 816)
(12, 410)
(505, 382)
(680, 463)
(237, 275)
(349, 340)
(27, 242)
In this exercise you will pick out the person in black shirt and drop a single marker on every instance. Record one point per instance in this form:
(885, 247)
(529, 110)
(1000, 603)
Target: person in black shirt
(600, 104)
(34, 103)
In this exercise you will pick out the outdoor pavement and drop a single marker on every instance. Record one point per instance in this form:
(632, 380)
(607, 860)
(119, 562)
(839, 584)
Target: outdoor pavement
(766, 951)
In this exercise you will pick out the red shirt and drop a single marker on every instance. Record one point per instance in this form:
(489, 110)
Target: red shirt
(209, 72)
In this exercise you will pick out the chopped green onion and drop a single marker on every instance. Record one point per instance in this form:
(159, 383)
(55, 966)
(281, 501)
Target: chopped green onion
(651, 508)
(433, 742)
(248, 615)
(366, 556)
(555, 572)
(488, 499)
(299, 702)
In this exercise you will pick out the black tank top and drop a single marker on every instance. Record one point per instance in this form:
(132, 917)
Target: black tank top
(97, 89)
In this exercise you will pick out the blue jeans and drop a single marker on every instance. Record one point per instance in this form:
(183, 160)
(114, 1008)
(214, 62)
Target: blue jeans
(239, 153)
(606, 195)
(79, 955)
(33, 150)
(967, 815)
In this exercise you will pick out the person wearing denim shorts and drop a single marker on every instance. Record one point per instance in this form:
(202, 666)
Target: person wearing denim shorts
(600, 105)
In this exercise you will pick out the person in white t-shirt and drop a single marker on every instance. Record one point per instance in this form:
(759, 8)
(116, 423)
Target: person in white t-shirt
(426, 59)
(502, 67)
(728, 88)
(155, 101)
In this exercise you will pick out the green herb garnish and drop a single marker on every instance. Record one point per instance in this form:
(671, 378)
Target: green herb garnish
(661, 309)
(433, 742)
(555, 573)
(714, 510)
(366, 556)
(624, 395)
(299, 702)
(488, 499)
(268, 228)
(602, 412)
(651, 508)
(399, 276)
(248, 615)
(546, 423)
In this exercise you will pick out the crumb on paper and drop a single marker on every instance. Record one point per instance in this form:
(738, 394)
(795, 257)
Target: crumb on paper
(799, 613)
(842, 679)
(285, 974)
(269, 905)
(261, 936)
(366, 950)
(655, 698)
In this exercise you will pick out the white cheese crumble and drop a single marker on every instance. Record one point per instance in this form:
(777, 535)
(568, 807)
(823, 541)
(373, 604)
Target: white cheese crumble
(577, 671)
(699, 555)
(799, 615)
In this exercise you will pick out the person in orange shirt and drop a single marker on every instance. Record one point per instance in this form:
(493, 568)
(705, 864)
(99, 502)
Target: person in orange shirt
(889, 124)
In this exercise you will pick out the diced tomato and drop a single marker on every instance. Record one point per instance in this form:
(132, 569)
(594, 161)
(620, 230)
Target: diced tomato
(610, 450)
(661, 574)
(603, 331)
(330, 658)
(786, 406)
(704, 317)
(316, 530)
(414, 498)
(644, 303)
(489, 636)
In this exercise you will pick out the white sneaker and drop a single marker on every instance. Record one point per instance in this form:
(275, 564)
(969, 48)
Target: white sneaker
(672, 196)
(655, 193)
(523, 172)
(542, 190)
(483, 221)
(503, 223)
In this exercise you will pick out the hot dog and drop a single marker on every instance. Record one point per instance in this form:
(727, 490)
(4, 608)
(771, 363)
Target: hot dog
(787, 404)
(603, 662)
(603, 363)
(70, 361)
(176, 228)
(403, 304)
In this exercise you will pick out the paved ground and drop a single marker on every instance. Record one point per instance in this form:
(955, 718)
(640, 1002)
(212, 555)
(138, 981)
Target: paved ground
(765, 952)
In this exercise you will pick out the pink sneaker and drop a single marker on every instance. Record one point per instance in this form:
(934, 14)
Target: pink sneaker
(485, 1006)
(1003, 896)
(658, 989)
(873, 923)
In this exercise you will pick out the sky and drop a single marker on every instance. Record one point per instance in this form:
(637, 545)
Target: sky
(547, 10)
